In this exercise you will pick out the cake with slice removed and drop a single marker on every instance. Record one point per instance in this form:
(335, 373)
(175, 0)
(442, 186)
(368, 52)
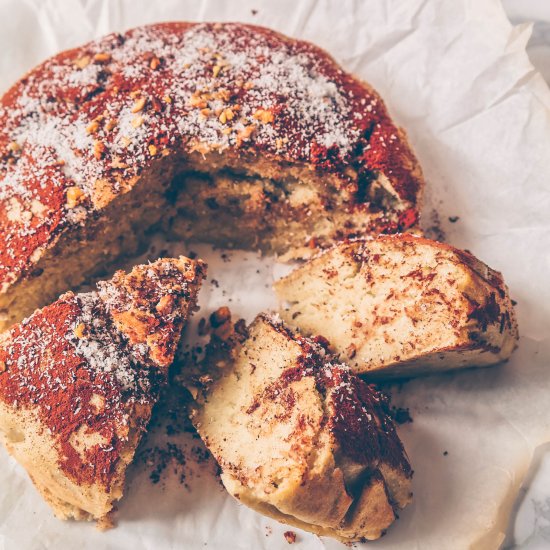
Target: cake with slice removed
(397, 306)
(298, 437)
(225, 133)
(78, 380)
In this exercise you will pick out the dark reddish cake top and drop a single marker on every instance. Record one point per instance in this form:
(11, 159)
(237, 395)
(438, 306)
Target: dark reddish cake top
(78, 127)
(92, 364)
(359, 415)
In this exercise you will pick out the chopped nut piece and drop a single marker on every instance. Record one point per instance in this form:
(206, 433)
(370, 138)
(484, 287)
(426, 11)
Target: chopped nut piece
(93, 127)
(110, 124)
(139, 104)
(245, 133)
(2, 366)
(165, 305)
(229, 114)
(216, 70)
(155, 63)
(223, 118)
(152, 150)
(13, 146)
(79, 330)
(138, 121)
(264, 116)
(165, 152)
(248, 85)
(290, 537)
(205, 112)
(167, 99)
(199, 102)
(117, 163)
(102, 57)
(82, 62)
(126, 141)
(223, 94)
(99, 149)
(75, 196)
(227, 131)
(279, 143)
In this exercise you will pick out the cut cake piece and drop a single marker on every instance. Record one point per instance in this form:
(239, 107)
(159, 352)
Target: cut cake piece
(397, 306)
(78, 380)
(298, 436)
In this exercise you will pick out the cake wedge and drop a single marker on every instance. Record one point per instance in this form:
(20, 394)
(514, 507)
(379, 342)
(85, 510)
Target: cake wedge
(79, 378)
(399, 306)
(297, 435)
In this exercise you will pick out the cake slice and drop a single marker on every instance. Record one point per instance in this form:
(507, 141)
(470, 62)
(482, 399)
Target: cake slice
(298, 437)
(78, 380)
(397, 306)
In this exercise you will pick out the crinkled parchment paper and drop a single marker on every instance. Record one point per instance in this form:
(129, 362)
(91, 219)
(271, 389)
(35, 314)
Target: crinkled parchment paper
(455, 74)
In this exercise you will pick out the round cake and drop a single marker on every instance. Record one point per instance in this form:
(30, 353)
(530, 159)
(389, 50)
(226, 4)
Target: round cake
(225, 133)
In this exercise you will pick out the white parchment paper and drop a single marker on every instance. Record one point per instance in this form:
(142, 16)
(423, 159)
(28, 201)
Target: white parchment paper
(455, 74)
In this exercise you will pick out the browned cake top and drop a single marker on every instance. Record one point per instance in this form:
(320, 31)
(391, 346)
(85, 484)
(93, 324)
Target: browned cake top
(86, 364)
(359, 416)
(75, 130)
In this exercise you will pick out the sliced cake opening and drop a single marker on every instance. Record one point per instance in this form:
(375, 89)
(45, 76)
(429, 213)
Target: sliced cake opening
(79, 378)
(399, 305)
(298, 437)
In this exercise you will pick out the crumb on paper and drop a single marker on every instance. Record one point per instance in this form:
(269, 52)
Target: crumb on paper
(433, 230)
(290, 537)
(401, 415)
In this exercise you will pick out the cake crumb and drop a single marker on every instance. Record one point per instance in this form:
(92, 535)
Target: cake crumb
(290, 537)
(401, 415)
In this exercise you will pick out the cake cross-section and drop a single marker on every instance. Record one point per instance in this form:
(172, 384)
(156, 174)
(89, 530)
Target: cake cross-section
(399, 305)
(297, 435)
(79, 378)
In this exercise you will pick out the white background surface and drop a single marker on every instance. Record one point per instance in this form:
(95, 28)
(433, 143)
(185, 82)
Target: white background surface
(455, 75)
(529, 527)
